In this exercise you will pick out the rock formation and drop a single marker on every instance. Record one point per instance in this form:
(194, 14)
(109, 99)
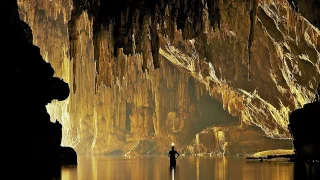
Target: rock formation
(149, 73)
(32, 140)
(303, 126)
(310, 9)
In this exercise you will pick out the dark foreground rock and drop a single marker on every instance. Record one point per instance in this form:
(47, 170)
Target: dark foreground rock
(30, 141)
(68, 156)
(304, 128)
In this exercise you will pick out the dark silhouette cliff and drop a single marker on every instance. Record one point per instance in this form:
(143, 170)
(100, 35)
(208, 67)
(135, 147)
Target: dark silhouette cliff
(31, 141)
(304, 126)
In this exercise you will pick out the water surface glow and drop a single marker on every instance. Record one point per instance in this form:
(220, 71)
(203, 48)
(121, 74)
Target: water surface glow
(188, 167)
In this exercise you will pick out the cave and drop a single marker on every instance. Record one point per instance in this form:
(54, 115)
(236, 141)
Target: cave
(135, 73)
(209, 76)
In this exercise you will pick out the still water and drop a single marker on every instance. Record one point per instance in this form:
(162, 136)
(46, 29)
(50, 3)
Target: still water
(188, 168)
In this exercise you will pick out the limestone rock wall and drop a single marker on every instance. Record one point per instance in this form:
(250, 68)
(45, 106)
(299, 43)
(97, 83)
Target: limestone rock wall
(265, 81)
(310, 9)
(158, 70)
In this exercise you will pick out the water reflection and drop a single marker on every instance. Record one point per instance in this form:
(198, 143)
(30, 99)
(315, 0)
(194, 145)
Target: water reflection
(188, 167)
(172, 174)
(268, 170)
(307, 171)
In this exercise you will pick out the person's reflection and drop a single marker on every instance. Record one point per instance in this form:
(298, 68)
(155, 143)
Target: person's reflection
(306, 171)
(172, 173)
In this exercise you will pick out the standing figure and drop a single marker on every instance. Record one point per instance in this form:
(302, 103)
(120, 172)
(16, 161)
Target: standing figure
(173, 154)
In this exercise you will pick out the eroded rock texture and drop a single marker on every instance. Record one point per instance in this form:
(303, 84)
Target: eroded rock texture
(144, 74)
(310, 9)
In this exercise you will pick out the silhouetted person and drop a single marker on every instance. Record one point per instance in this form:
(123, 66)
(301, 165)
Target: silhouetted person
(173, 154)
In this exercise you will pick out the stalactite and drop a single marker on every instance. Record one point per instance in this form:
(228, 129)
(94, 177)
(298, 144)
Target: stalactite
(318, 93)
(214, 12)
(310, 9)
(254, 4)
(73, 39)
(294, 5)
(186, 15)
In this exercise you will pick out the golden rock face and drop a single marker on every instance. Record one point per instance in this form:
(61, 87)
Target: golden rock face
(252, 71)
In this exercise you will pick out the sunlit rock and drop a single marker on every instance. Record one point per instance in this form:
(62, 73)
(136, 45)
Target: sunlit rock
(174, 68)
(235, 140)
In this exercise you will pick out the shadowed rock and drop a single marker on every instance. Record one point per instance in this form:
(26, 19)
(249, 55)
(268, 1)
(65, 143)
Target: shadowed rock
(28, 85)
(303, 126)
